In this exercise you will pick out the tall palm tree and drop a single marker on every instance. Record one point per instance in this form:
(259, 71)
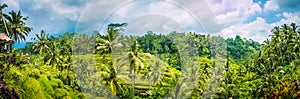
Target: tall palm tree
(2, 17)
(53, 58)
(109, 75)
(41, 44)
(294, 27)
(294, 44)
(16, 26)
(106, 45)
(287, 40)
(135, 62)
(277, 41)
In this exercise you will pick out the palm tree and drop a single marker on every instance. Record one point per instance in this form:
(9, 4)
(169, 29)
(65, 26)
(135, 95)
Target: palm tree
(276, 37)
(281, 50)
(16, 26)
(294, 44)
(135, 62)
(2, 17)
(106, 45)
(294, 27)
(54, 58)
(41, 44)
(110, 77)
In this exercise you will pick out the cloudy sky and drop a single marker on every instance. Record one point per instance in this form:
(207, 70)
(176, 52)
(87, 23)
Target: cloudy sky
(251, 19)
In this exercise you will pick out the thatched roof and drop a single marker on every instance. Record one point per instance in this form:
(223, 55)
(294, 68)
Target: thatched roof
(3, 37)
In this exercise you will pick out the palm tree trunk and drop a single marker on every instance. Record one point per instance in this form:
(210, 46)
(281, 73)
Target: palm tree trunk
(2, 17)
(132, 79)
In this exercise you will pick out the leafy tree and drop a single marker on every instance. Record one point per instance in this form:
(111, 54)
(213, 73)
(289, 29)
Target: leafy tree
(135, 62)
(42, 43)
(16, 26)
(106, 45)
(277, 58)
(54, 57)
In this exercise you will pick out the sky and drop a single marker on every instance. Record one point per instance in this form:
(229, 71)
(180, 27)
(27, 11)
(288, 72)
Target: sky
(251, 19)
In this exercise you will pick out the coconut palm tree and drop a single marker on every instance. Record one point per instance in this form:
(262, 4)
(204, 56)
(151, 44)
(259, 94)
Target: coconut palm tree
(41, 44)
(294, 38)
(109, 75)
(281, 51)
(54, 55)
(294, 27)
(135, 62)
(2, 18)
(277, 41)
(106, 45)
(16, 26)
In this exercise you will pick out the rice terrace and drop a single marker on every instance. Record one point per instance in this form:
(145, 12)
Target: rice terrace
(149, 49)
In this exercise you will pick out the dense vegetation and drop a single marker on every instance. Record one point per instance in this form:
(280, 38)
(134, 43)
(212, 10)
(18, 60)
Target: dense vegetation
(152, 66)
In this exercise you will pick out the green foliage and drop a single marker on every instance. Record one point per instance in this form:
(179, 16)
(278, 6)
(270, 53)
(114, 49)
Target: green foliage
(32, 89)
(278, 60)
(29, 82)
(154, 66)
(16, 26)
(160, 45)
(80, 44)
(242, 50)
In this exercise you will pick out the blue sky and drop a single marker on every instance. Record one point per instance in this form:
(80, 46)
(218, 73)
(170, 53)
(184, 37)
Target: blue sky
(251, 19)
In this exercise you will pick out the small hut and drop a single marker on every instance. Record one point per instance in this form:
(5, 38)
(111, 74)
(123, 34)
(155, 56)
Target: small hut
(6, 44)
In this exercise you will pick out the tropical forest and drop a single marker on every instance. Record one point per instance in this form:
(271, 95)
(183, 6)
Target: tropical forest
(175, 65)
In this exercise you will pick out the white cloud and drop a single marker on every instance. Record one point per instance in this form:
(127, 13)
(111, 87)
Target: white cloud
(203, 14)
(128, 11)
(97, 13)
(278, 15)
(258, 29)
(230, 18)
(231, 12)
(53, 16)
(288, 19)
(254, 8)
(59, 8)
(56, 16)
(157, 24)
(178, 14)
(271, 5)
